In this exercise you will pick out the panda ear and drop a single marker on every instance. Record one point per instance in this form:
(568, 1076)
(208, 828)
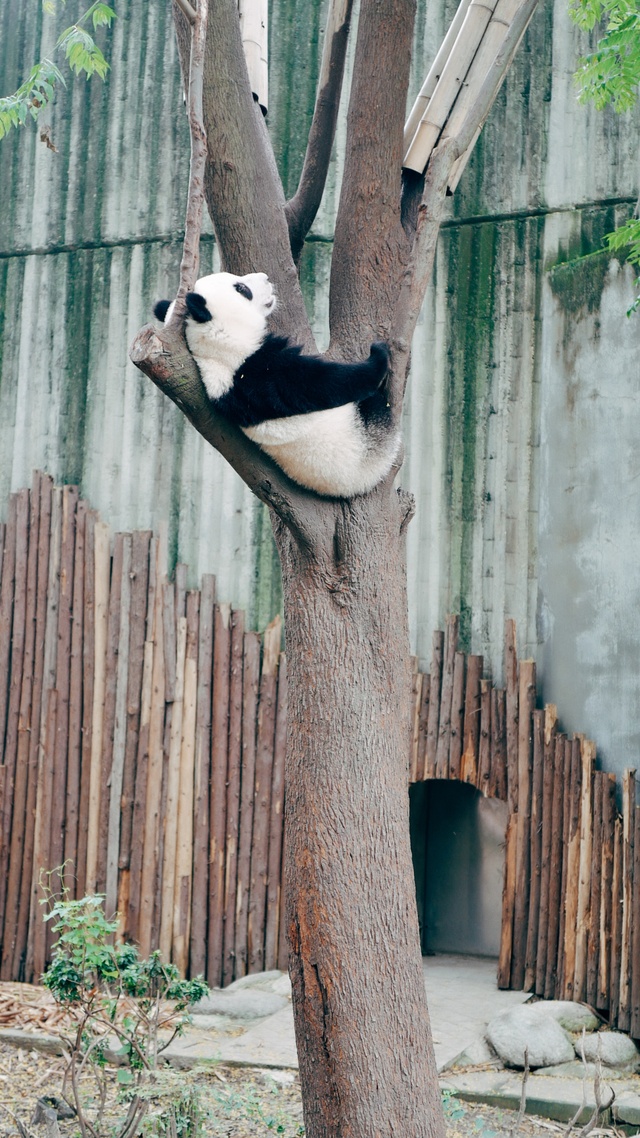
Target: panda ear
(197, 308)
(160, 310)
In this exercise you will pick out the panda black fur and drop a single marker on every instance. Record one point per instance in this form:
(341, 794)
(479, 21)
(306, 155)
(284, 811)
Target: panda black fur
(326, 424)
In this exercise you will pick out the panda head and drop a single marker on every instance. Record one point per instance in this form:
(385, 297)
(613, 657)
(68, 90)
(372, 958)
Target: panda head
(226, 315)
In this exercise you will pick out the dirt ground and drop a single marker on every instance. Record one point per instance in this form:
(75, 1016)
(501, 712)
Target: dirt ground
(237, 1102)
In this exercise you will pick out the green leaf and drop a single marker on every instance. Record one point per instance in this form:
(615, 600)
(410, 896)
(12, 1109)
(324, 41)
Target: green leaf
(124, 1077)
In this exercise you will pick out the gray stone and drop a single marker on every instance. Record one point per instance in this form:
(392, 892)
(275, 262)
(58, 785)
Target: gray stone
(251, 1003)
(525, 1027)
(613, 1047)
(477, 1054)
(626, 1108)
(282, 986)
(34, 1041)
(257, 980)
(570, 1016)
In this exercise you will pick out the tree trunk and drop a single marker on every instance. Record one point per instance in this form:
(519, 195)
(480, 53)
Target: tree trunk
(364, 1044)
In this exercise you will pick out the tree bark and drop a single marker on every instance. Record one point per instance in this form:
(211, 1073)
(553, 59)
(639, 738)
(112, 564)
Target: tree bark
(366, 1059)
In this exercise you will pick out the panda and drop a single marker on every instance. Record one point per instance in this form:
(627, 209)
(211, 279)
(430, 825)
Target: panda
(327, 425)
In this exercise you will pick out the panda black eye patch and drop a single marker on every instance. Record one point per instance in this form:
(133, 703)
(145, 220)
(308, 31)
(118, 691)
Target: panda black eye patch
(243, 289)
(197, 307)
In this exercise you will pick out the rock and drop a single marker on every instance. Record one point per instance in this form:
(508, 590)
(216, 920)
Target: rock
(524, 1027)
(477, 1054)
(34, 1041)
(282, 986)
(243, 1003)
(570, 1016)
(257, 980)
(615, 1049)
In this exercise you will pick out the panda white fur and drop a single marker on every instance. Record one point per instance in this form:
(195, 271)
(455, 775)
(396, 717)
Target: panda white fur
(326, 424)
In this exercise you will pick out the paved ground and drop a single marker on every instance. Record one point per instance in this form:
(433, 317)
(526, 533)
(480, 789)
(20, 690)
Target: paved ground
(462, 996)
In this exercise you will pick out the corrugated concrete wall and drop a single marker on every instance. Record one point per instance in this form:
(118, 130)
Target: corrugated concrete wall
(515, 464)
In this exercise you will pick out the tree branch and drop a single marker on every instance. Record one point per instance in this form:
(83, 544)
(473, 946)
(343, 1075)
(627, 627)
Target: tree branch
(162, 355)
(303, 207)
(243, 189)
(195, 196)
(371, 249)
(418, 273)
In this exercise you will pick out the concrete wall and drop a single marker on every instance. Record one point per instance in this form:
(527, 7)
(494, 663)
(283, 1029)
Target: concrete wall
(523, 479)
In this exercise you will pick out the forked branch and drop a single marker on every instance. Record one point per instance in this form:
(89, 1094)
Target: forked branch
(301, 210)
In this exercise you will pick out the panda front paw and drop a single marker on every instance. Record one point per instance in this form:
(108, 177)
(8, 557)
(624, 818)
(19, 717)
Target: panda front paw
(379, 356)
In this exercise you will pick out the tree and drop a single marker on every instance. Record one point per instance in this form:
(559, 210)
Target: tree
(83, 56)
(366, 1059)
(610, 75)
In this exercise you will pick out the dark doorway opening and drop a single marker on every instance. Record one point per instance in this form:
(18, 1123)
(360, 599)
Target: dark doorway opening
(457, 839)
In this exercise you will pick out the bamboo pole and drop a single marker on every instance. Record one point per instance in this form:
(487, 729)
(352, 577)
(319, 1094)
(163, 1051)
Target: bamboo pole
(428, 87)
(634, 1020)
(262, 803)
(469, 761)
(434, 704)
(62, 683)
(616, 924)
(234, 758)
(457, 716)
(251, 680)
(72, 810)
(566, 825)
(173, 793)
(202, 760)
(140, 546)
(498, 788)
(593, 946)
(88, 664)
(526, 705)
(152, 819)
(423, 723)
(628, 805)
(606, 888)
(101, 612)
(549, 734)
(218, 800)
(36, 957)
(484, 745)
(450, 82)
(573, 873)
(555, 867)
(119, 732)
(109, 709)
(444, 729)
(416, 697)
(587, 756)
(184, 850)
(536, 851)
(274, 865)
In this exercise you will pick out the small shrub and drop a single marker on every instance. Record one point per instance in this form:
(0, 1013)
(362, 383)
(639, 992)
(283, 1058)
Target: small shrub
(119, 1004)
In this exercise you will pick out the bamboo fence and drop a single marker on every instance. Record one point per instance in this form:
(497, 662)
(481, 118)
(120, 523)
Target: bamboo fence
(142, 737)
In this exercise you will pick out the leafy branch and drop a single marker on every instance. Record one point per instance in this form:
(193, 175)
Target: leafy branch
(611, 75)
(82, 54)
